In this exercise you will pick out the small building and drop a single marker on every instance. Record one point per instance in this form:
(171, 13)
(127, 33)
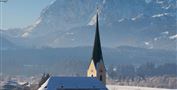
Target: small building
(72, 83)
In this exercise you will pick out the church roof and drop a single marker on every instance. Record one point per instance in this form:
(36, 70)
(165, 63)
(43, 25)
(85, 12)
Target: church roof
(97, 52)
(72, 83)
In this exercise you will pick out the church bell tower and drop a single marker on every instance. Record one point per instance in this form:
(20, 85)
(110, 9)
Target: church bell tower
(97, 68)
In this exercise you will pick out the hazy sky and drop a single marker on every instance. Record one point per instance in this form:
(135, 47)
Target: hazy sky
(20, 13)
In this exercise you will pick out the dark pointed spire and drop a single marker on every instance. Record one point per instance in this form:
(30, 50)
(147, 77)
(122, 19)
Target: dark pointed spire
(97, 52)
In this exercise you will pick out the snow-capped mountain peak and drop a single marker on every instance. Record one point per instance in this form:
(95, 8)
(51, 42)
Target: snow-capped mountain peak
(70, 23)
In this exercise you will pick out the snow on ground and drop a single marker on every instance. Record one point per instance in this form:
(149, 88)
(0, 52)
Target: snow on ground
(116, 87)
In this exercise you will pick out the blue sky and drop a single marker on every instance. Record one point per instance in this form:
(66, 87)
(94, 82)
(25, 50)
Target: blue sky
(21, 13)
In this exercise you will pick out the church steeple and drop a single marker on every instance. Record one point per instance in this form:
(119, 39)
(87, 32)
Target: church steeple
(97, 52)
(97, 67)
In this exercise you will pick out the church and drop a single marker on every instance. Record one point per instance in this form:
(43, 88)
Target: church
(96, 73)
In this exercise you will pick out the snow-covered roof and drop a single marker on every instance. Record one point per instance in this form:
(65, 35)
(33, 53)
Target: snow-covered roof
(79, 83)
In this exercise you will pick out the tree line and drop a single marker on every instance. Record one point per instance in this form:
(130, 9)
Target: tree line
(148, 74)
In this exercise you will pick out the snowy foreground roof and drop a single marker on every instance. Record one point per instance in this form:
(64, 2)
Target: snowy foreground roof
(73, 83)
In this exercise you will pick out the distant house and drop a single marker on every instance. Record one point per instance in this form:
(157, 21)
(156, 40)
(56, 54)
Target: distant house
(72, 83)
(96, 73)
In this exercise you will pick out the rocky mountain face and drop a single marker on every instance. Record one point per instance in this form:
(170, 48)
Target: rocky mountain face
(143, 30)
(70, 23)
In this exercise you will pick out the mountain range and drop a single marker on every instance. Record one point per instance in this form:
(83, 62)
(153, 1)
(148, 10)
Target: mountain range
(131, 31)
(70, 23)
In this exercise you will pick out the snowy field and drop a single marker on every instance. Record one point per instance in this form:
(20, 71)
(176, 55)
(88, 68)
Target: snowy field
(115, 87)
